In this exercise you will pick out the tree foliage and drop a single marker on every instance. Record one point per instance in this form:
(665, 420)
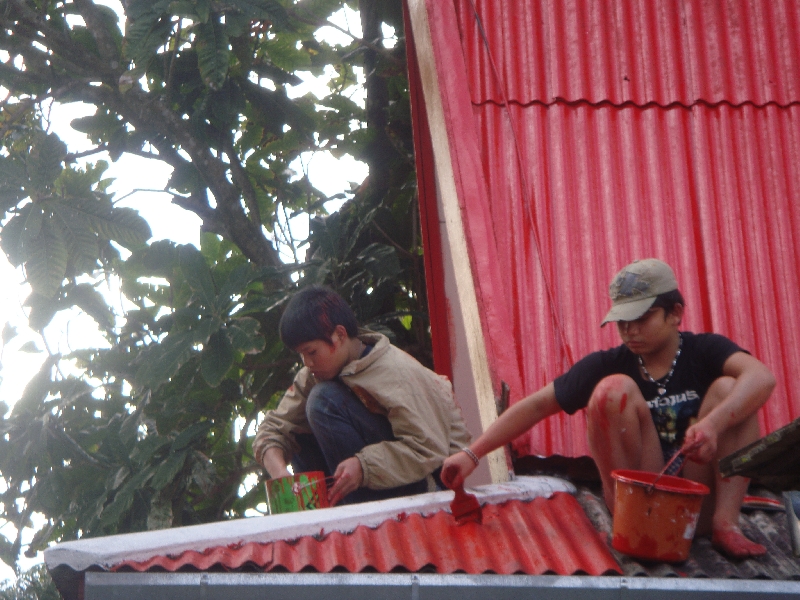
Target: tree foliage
(34, 584)
(153, 429)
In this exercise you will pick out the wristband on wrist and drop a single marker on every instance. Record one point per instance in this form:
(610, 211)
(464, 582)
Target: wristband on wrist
(472, 455)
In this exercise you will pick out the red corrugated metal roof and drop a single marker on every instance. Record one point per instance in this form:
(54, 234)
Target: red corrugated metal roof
(536, 537)
(639, 51)
(610, 130)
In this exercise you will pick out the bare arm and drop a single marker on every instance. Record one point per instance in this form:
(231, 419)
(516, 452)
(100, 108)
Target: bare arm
(274, 462)
(754, 384)
(511, 424)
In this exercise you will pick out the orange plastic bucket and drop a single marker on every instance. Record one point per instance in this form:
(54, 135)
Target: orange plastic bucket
(302, 491)
(655, 522)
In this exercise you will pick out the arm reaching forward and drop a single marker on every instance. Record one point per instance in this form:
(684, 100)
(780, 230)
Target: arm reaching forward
(511, 424)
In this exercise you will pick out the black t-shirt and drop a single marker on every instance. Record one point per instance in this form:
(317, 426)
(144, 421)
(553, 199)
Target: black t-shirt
(700, 363)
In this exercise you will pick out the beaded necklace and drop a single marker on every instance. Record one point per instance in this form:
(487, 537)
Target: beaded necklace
(662, 387)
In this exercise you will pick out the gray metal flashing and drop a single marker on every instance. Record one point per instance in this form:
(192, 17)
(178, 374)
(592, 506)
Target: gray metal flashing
(417, 586)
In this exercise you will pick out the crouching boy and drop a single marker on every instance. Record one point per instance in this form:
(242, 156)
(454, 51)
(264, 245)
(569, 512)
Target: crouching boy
(661, 392)
(360, 409)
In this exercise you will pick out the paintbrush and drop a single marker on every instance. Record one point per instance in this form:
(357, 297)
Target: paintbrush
(465, 507)
(298, 487)
(675, 457)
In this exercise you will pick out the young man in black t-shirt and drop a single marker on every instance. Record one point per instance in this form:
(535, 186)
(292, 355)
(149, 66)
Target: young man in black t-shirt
(661, 391)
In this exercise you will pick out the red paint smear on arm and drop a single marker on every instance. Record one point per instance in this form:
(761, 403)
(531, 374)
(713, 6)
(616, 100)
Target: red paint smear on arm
(623, 402)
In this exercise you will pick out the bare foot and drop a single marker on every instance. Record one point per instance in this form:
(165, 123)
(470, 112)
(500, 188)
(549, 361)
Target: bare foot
(731, 541)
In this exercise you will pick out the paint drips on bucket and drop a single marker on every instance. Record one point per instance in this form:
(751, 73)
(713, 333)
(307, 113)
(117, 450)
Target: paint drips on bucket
(655, 522)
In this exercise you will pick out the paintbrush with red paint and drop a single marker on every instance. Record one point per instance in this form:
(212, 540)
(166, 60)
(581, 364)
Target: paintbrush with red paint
(465, 507)
(682, 452)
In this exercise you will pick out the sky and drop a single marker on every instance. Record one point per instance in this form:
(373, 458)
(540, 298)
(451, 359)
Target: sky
(22, 356)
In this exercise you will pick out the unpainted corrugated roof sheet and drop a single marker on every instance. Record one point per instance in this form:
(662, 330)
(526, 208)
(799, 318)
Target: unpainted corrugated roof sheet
(766, 527)
(638, 51)
(612, 130)
(535, 537)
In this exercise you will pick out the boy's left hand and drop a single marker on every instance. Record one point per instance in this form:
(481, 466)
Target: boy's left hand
(348, 478)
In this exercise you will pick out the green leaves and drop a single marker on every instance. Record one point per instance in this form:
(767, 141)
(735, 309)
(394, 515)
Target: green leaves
(206, 327)
(43, 165)
(154, 428)
(63, 219)
(212, 53)
(46, 259)
(217, 358)
(197, 275)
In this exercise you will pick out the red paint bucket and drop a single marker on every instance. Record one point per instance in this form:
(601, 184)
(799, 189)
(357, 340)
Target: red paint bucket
(655, 522)
(302, 491)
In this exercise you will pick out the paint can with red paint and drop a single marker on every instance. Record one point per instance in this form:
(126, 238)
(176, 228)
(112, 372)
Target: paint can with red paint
(302, 491)
(655, 520)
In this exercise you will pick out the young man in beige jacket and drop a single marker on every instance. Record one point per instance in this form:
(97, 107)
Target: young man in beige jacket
(360, 409)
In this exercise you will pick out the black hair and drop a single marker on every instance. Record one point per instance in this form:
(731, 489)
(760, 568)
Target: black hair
(313, 314)
(668, 300)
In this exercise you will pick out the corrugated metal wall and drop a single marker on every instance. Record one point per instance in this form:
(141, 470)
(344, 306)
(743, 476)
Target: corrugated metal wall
(612, 130)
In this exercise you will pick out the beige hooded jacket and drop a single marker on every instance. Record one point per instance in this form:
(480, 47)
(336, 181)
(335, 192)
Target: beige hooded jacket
(419, 404)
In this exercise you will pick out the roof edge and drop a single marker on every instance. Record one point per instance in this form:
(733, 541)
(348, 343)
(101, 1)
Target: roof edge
(107, 551)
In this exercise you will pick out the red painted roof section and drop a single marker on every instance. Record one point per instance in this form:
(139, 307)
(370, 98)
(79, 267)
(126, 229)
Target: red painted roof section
(536, 537)
(637, 51)
(611, 130)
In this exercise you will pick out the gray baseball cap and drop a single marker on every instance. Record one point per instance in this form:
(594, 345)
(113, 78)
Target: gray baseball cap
(634, 289)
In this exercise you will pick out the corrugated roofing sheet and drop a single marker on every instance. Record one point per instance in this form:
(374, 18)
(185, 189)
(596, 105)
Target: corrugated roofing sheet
(535, 537)
(611, 130)
(638, 51)
(767, 527)
(713, 191)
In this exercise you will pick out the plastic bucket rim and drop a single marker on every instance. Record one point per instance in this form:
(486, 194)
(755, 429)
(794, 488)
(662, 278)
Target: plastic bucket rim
(666, 483)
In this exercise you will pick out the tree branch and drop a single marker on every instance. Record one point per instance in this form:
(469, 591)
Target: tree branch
(308, 20)
(241, 179)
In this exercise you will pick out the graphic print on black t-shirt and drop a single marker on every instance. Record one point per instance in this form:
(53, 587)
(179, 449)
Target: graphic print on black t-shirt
(672, 415)
(702, 358)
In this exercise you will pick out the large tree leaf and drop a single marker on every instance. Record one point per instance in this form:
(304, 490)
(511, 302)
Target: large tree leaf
(81, 241)
(159, 258)
(43, 309)
(381, 261)
(9, 333)
(167, 471)
(12, 179)
(121, 225)
(146, 30)
(15, 231)
(217, 358)
(190, 435)
(46, 265)
(44, 161)
(88, 299)
(244, 335)
(124, 497)
(235, 285)
(126, 227)
(161, 361)
(212, 53)
(197, 274)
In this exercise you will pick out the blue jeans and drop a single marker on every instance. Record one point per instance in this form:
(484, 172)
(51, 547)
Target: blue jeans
(341, 426)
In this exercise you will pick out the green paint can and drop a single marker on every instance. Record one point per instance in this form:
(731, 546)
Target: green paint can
(303, 491)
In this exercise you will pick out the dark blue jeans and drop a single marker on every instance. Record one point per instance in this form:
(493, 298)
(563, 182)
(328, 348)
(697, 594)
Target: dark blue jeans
(341, 426)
